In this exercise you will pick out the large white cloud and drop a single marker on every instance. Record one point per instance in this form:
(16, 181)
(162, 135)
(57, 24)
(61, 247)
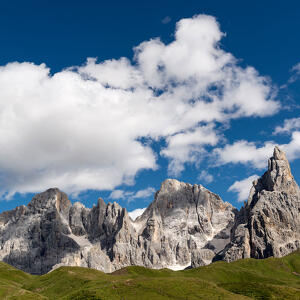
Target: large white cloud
(81, 128)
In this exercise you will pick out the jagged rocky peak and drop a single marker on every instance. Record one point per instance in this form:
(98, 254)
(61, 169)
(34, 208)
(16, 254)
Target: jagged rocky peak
(269, 223)
(175, 194)
(51, 198)
(187, 223)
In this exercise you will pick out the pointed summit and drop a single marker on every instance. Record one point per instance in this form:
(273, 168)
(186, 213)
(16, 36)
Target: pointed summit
(278, 177)
(170, 185)
(51, 198)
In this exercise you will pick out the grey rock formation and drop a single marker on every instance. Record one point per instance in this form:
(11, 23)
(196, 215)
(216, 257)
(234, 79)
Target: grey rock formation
(185, 225)
(269, 223)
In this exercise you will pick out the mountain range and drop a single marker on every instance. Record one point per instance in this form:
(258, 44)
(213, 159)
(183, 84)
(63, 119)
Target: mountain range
(186, 226)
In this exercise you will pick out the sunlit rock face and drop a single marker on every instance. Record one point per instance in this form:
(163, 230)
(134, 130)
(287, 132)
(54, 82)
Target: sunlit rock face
(185, 226)
(269, 223)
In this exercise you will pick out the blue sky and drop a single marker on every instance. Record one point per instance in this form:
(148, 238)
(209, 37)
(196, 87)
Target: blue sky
(109, 99)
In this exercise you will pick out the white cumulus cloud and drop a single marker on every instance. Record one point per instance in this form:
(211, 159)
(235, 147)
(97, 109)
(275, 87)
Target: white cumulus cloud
(242, 187)
(245, 152)
(82, 128)
(248, 153)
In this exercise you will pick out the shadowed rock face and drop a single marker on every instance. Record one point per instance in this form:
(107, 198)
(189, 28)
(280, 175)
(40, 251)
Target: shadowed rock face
(269, 223)
(185, 225)
(35, 237)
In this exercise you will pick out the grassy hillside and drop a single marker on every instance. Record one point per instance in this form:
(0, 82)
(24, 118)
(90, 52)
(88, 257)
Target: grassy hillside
(272, 278)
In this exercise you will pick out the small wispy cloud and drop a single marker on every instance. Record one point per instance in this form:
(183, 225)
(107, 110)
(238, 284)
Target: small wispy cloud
(130, 196)
(166, 20)
(205, 177)
(289, 126)
(295, 74)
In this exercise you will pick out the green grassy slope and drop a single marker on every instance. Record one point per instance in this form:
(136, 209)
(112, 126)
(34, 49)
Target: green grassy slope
(272, 278)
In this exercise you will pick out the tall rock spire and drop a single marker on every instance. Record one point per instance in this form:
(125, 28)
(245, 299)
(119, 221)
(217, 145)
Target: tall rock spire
(278, 176)
(269, 224)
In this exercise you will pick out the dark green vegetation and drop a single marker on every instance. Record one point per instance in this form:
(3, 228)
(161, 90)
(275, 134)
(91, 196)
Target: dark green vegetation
(272, 278)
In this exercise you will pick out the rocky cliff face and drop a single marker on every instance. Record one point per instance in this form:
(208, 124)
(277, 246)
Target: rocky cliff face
(269, 223)
(186, 225)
